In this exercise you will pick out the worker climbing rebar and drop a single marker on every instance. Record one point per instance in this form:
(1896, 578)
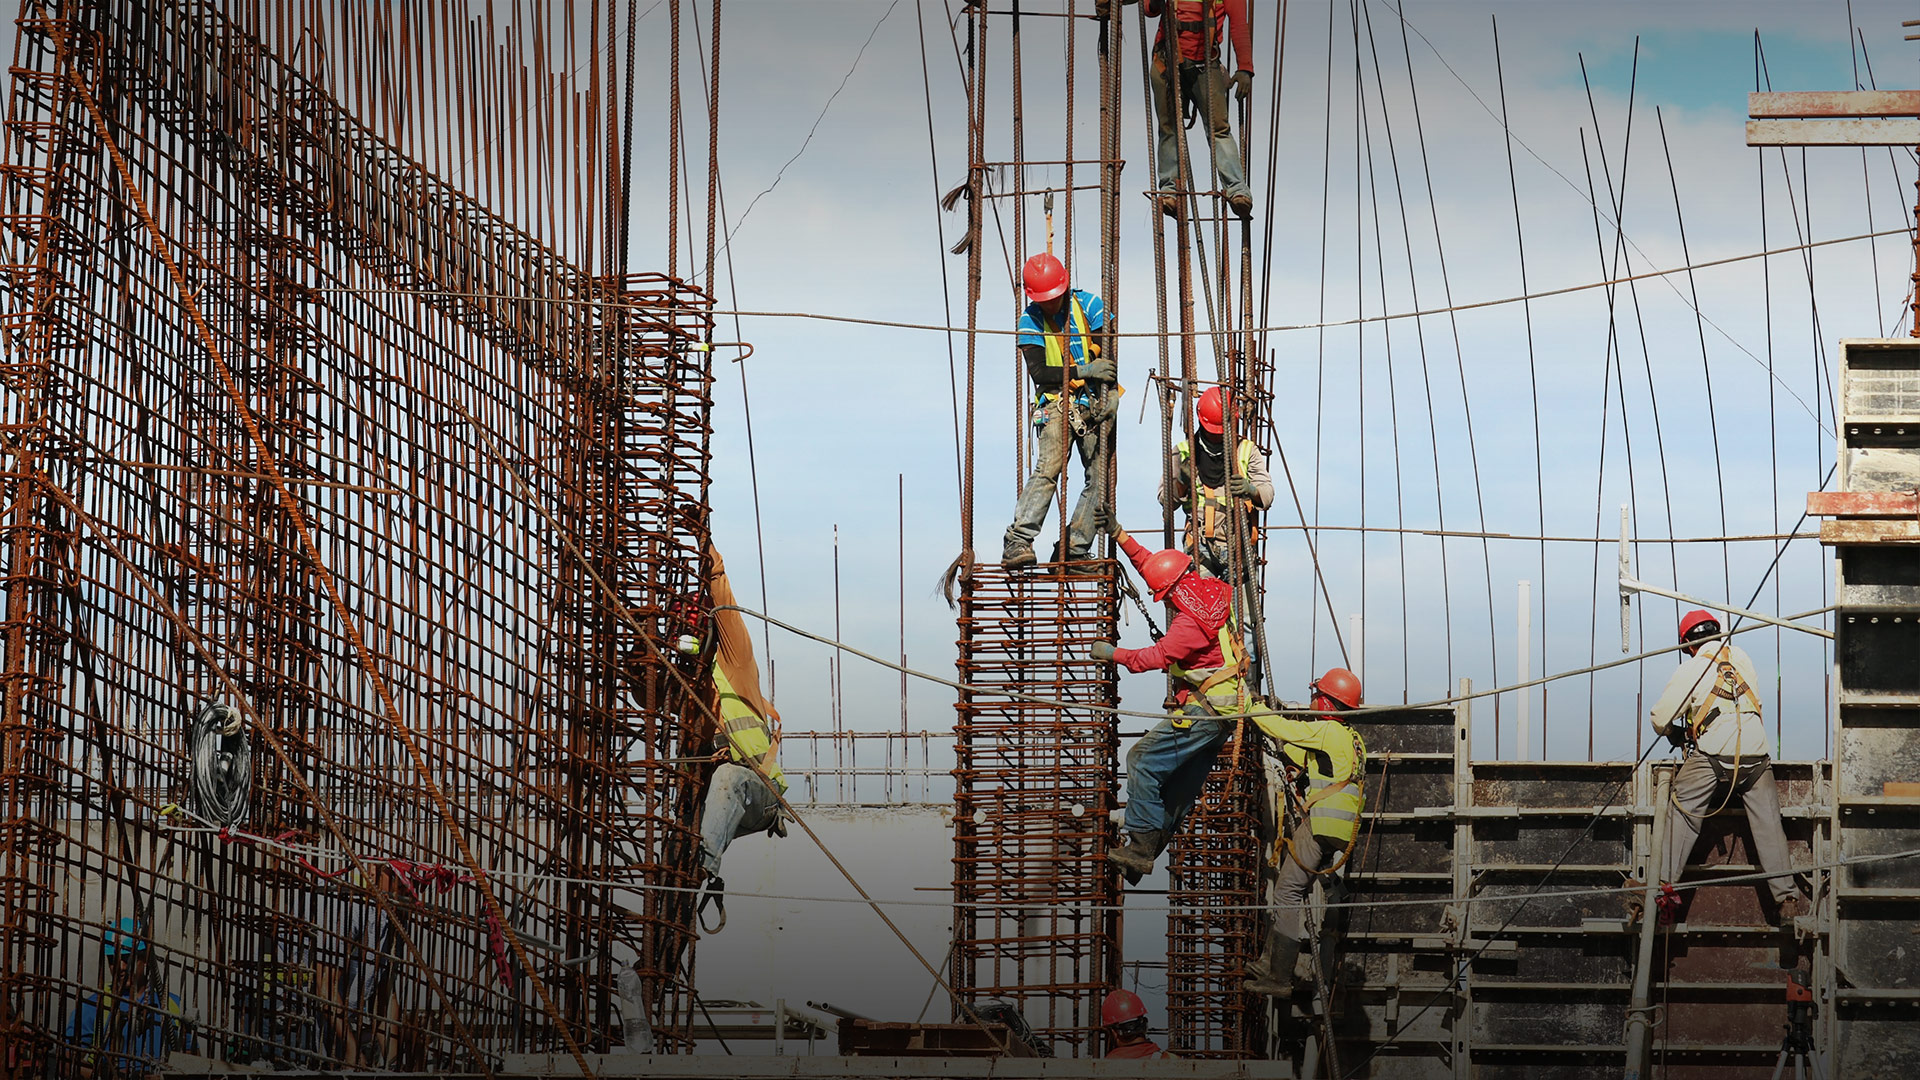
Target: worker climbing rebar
(1061, 339)
(1710, 708)
(1168, 767)
(1198, 28)
(1207, 481)
(1330, 759)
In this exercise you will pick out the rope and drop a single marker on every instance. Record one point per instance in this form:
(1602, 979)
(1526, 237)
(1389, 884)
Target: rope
(221, 763)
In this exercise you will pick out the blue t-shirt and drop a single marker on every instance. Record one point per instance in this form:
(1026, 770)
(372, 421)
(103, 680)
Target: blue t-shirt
(1030, 329)
(141, 1034)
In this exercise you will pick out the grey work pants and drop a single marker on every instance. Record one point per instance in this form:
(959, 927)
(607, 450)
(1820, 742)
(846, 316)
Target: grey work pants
(1206, 86)
(1049, 463)
(738, 802)
(1290, 895)
(1700, 787)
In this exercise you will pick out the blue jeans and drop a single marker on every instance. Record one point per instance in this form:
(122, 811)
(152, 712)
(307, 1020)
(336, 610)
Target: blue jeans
(738, 802)
(1205, 86)
(1049, 464)
(1167, 769)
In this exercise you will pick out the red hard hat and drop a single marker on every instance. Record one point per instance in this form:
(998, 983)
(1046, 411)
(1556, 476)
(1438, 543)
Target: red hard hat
(1696, 618)
(1211, 410)
(1120, 1007)
(1163, 568)
(1340, 685)
(1045, 278)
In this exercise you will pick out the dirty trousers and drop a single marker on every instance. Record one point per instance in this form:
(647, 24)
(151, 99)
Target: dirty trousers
(1206, 86)
(1699, 787)
(1289, 916)
(738, 802)
(1049, 464)
(1167, 769)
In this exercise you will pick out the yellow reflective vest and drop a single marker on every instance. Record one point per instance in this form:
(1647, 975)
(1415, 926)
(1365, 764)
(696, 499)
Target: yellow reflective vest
(1334, 757)
(1223, 687)
(1208, 508)
(748, 737)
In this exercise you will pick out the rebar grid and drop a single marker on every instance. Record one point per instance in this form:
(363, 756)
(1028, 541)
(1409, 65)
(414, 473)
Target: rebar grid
(1036, 784)
(1217, 861)
(448, 452)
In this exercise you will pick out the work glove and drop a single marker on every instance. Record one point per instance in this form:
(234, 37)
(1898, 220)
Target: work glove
(1241, 486)
(1103, 651)
(1242, 84)
(1119, 534)
(1097, 371)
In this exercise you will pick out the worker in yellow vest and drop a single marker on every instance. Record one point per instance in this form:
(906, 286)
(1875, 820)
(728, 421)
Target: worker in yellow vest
(744, 795)
(1207, 481)
(1330, 758)
(1061, 338)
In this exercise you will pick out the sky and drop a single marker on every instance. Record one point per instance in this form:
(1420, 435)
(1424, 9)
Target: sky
(830, 176)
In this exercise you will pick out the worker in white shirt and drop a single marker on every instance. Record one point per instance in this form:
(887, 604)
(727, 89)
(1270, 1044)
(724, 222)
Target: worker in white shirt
(1711, 708)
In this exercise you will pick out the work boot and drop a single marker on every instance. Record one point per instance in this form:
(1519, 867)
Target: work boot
(1170, 206)
(1242, 204)
(1272, 974)
(1634, 899)
(1136, 857)
(1015, 556)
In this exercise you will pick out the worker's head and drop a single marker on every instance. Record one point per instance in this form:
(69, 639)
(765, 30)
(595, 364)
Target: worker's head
(1336, 691)
(126, 952)
(1046, 282)
(1164, 569)
(1211, 411)
(1694, 626)
(1125, 1015)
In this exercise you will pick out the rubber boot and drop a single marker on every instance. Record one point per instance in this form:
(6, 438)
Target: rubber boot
(1272, 974)
(1136, 858)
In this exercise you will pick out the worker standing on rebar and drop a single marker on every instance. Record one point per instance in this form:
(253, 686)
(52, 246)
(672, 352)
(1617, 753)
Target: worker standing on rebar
(1208, 481)
(744, 795)
(1168, 766)
(1198, 27)
(1330, 759)
(1710, 707)
(1061, 339)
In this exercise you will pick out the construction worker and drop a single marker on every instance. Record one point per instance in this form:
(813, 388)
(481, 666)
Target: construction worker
(1168, 766)
(1198, 26)
(1331, 759)
(744, 794)
(1206, 480)
(1124, 1016)
(130, 1027)
(1710, 707)
(1060, 338)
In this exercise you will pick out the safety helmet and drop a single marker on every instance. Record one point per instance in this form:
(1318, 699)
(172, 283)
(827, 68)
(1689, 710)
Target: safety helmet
(1338, 685)
(1163, 568)
(1694, 620)
(1044, 277)
(1120, 1007)
(125, 937)
(1211, 410)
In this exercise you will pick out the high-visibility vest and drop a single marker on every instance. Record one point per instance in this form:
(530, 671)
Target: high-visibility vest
(1207, 515)
(1057, 354)
(1334, 757)
(1223, 688)
(748, 737)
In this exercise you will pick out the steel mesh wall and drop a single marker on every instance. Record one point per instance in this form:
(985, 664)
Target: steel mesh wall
(496, 469)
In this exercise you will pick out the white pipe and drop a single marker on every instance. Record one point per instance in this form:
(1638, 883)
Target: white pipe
(1358, 655)
(1525, 635)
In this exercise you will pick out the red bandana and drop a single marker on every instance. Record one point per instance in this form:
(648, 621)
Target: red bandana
(1208, 600)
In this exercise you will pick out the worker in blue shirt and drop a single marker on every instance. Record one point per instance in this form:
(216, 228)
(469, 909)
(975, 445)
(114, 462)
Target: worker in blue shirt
(129, 1028)
(1059, 338)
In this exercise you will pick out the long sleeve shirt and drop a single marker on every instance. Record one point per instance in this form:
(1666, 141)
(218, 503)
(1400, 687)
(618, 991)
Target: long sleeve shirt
(1232, 12)
(1186, 642)
(1740, 727)
(1181, 470)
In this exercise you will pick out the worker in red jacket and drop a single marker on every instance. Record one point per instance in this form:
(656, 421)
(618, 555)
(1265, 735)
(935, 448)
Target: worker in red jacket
(1168, 766)
(1198, 26)
(1124, 1016)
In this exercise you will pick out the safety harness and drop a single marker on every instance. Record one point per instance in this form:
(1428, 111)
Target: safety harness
(1207, 513)
(1321, 787)
(1191, 30)
(1220, 689)
(1059, 355)
(1728, 685)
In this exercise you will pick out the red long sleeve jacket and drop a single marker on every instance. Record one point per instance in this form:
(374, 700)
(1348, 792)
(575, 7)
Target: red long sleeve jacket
(1189, 641)
(1192, 47)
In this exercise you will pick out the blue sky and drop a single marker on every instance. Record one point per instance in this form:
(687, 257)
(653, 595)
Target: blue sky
(842, 411)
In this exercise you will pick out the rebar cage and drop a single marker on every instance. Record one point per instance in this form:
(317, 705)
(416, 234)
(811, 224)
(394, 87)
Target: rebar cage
(294, 425)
